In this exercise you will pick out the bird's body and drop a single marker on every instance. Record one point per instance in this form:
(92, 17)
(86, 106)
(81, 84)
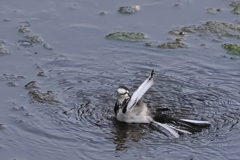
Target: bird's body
(138, 114)
(132, 109)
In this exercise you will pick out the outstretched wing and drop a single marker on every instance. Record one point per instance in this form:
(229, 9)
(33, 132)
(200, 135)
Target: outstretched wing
(142, 89)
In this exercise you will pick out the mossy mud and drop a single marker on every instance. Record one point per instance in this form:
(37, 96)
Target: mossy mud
(177, 43)
(42, 97)
(211, 27)
(127, 36)
(10, 77)
(26, 33)
(30, 38)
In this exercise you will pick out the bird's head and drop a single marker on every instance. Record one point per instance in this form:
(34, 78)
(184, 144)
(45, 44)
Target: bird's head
(122, 93)
(123, 98)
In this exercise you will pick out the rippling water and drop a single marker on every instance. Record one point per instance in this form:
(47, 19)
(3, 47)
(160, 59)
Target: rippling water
(84, 70)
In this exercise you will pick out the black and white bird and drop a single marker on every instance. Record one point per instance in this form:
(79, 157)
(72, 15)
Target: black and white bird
(131, 109)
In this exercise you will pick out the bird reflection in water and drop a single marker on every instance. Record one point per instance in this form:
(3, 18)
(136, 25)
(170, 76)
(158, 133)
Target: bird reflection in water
(124, 133)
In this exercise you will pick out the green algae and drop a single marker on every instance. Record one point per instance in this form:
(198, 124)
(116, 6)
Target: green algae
(236, 10)
(127, 36)
(236, 5)
(232, 48)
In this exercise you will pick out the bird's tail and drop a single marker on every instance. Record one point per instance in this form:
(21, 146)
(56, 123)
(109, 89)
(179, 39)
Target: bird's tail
(174, 125)
(167, 127)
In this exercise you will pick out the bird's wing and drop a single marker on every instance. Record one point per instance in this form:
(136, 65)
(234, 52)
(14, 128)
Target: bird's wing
(142, 89)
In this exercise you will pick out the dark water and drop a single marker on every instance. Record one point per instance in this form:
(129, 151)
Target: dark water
(83, 69)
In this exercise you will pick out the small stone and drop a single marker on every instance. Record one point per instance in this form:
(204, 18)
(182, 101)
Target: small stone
(127, 9)
(148, 44)
(11, 84)
(216, 40)
(7, 20)
(177, 32)
(102, 13)
(20, 77)
(177, 5)
(24, 43)
(211, 11)
(32, 84)
(47, 46)
(25, 24)
(41, 74)
(23, 30)
(182, 33)
(3, 51)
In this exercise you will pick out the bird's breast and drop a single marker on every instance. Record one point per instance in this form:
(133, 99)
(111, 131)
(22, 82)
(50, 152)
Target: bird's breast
(135, 115)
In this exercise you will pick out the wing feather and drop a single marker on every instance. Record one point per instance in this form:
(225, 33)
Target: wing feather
(142, 89)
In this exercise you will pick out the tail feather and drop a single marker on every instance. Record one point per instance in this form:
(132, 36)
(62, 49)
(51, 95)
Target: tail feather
(180, 130)
(167, 128)
(196, 121)
(182, 125)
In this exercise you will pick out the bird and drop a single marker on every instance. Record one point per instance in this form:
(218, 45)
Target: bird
(131, 109)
